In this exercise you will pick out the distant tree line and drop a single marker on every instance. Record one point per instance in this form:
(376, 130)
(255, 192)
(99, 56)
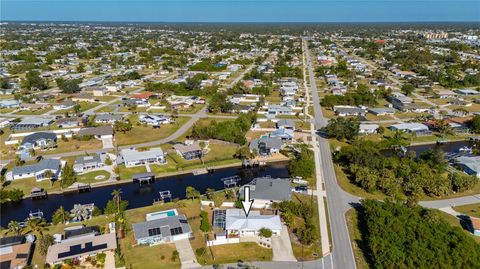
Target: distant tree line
(231, 131)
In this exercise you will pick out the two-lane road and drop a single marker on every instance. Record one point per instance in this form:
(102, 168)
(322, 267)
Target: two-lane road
(338, 202)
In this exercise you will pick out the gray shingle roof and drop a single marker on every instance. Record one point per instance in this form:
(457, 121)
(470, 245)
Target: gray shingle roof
(275, 189)
(165, 224)
(101, 130)
(38, 136)
(50, 164)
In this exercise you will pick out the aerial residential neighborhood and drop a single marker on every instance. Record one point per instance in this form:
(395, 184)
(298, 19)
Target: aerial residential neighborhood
(238, 145)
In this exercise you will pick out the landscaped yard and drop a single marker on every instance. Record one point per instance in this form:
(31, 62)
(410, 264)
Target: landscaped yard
(141, 133)
(35, 112)
(90, 177)
(73, 145)
(27, 184)
(83, 107)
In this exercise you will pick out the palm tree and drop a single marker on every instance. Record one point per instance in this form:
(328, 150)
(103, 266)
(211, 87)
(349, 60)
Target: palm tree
(80, 212)
(36, 226)
(14, 228)
(117, 197)
(49, 174)
(444, 128)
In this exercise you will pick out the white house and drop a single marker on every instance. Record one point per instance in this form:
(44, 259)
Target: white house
(132, 157)
(237, 224)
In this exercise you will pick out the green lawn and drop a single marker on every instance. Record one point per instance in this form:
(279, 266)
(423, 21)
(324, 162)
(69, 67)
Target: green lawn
(470, 210)
(27, 184)
(83, 107)
(35, 112)
(89, 177)
(141, 133)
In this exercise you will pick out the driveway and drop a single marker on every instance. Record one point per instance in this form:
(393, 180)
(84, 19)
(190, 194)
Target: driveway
(281, 246)
(109, 260)
(187, 257)
(107, 143)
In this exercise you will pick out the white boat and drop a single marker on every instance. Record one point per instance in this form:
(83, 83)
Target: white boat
(465, 149)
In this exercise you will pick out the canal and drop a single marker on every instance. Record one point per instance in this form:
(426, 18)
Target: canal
(137, 195)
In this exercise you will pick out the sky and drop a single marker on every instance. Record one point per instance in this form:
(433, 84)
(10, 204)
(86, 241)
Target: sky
(241, 10)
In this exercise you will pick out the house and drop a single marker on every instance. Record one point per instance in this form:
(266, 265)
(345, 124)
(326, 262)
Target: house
(39, 140)
(189, 150)
(368, 128)
(32, 123)
(276, 110)
(283, 134)
(244, 98)
(466, 92)
(67, 104)
(97, 91)
(286, 124)
(475, 225)
(344, 111)
(70, 122)
(154, 120)
(9, 103)
(399, 100)
(382, 111)
(15, 252)
(162, 227)
(80, 242)
(37, 170)
(266, 190)
(266, 146)
(413, 128)
(444, 94)
(98, 132)
(132, 157)
(86, 163)
(469, 164)
(237, 224)
(108, 118)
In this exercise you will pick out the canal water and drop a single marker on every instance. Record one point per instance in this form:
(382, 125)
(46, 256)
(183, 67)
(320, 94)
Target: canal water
(450, 147)
(137, 195)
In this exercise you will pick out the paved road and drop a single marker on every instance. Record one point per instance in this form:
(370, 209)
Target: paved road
(465, 200)
(338, 201)
(239, 77)
(323, 263)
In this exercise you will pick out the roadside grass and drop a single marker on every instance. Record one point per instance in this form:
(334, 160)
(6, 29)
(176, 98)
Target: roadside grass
(470, 210)
(231, 253)
(354, 229)
(106, 109)
(141, 133)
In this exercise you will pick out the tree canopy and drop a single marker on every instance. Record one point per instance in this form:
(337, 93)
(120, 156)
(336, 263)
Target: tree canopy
(398, 236)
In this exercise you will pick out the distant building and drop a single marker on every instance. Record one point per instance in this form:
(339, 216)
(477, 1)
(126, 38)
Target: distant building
(344, 111)
(189, 150)
(368, 128)
(9, 103)
(132, 157)
(32, 123)
(413, 128)
(475, 225)
(98, 132)
(39, 140)
(469, 164)
(266, 146)
(108, 118)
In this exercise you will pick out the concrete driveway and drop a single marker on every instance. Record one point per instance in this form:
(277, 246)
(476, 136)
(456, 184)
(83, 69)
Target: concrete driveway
(187, 257)
(281, 246)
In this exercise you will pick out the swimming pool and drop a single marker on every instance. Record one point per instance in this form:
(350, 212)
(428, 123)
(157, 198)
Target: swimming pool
(161, 214)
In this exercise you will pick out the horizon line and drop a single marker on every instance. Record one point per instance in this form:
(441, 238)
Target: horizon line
(241, 22)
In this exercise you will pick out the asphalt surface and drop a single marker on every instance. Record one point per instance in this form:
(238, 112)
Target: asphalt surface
(338, 202)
